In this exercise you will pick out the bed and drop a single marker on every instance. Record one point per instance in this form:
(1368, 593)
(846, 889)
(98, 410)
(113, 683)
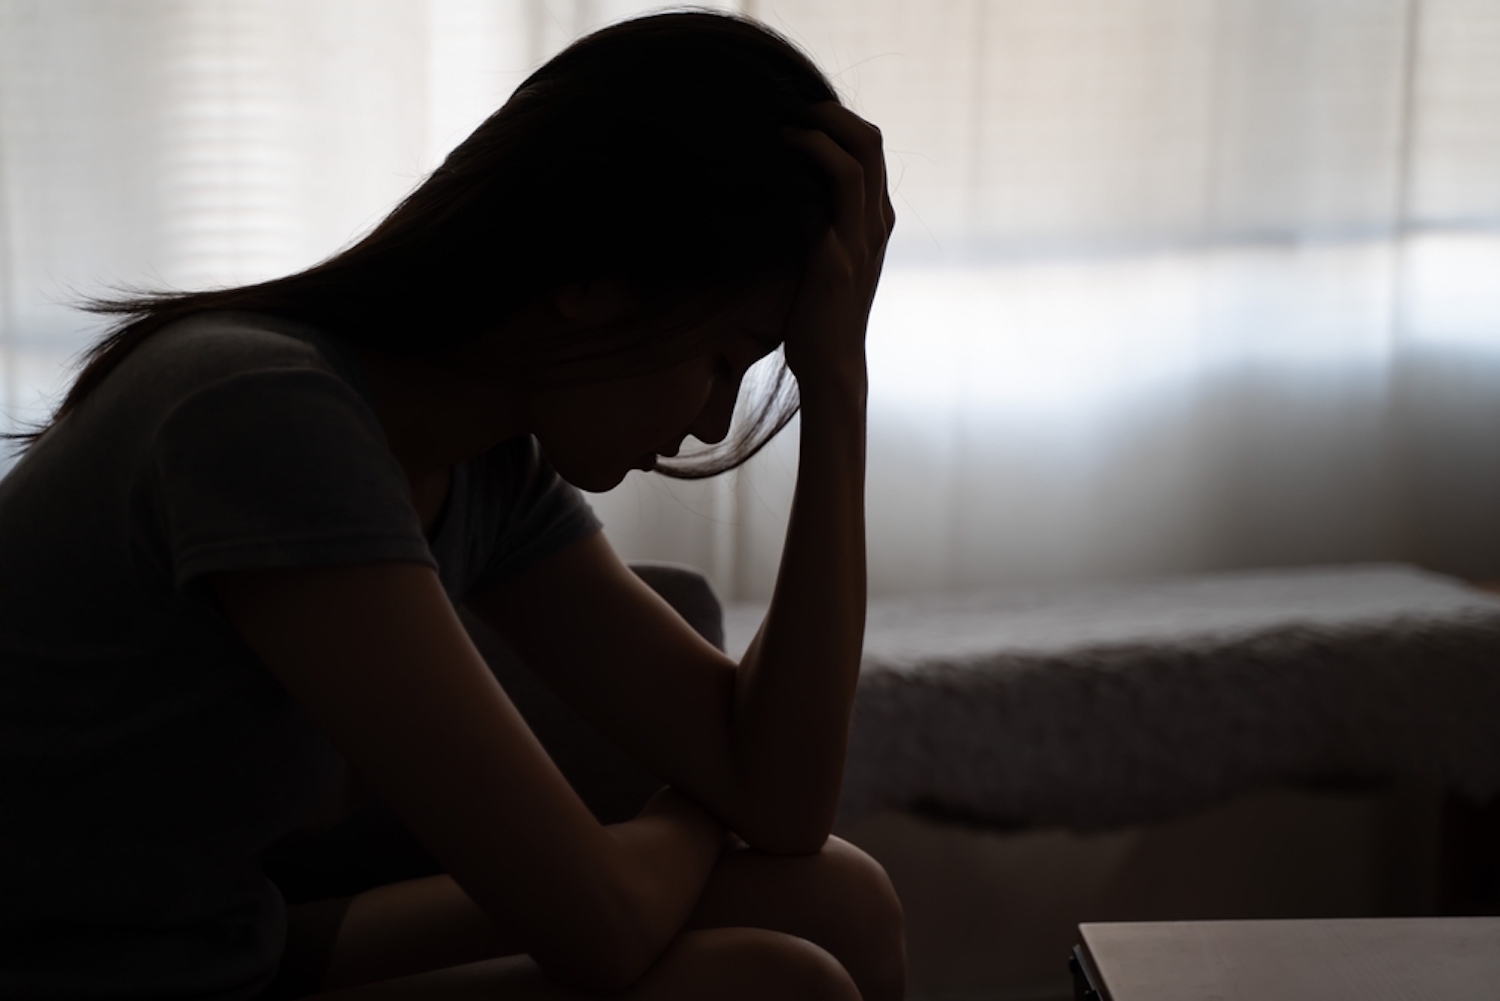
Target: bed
(1112, 705)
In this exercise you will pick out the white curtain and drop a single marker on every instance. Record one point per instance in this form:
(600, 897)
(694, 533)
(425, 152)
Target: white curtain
(1177, 284)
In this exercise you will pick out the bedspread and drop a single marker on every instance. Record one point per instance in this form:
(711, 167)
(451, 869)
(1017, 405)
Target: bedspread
(1126, 703)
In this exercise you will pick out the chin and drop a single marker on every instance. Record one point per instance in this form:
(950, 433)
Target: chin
(594, 481)
(593, 469)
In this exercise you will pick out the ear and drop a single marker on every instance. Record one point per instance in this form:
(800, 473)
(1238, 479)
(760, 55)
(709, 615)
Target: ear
(599, 300)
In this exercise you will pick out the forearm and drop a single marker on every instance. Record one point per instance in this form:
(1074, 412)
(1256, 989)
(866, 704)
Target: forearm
(794, 689)
(795, 686)
(669, 852)
(629, 900)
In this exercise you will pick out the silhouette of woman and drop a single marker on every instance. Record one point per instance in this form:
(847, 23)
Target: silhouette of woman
(233, 558)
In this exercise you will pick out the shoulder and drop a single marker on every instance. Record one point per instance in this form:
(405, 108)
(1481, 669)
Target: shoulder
(225, 363)
(254, 391)
(227, 375)
(261, 453)
(206, 347)
(187, 365)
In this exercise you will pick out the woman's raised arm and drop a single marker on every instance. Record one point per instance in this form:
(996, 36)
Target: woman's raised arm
(796, 682)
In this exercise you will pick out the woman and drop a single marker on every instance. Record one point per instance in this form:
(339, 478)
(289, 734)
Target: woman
(239, 543)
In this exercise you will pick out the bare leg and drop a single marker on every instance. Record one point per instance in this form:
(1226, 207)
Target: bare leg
(411, 927)
(725, 964)
(838, 899)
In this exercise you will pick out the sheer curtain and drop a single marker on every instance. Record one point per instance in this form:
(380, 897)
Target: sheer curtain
(1177, 284)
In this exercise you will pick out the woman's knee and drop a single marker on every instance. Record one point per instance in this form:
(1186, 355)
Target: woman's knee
(796, 967)
(839, 898)
(865, 890)
(750, 963)
(868, 904)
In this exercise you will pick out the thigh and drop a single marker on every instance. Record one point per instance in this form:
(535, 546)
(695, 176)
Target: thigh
(411, 927)
(725, 964)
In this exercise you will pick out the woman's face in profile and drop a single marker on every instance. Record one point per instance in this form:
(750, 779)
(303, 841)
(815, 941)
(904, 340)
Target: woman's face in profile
(594, 434)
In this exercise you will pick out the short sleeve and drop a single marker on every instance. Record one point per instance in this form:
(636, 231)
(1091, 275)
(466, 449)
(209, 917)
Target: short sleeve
(279, 468)
(530, 511)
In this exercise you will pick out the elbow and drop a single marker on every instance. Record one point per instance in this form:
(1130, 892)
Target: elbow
(792, 843)
(787, 832)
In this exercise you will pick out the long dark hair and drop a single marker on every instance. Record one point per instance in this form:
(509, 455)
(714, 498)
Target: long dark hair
(650, 151)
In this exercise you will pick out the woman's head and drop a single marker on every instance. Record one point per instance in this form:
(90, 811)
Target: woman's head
(595, 432)
(649, 152)
(649, 155)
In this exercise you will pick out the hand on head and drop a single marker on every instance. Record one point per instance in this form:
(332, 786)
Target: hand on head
(826, 332)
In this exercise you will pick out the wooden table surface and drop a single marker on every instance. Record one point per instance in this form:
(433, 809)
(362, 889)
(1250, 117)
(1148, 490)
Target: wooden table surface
(1361, 959)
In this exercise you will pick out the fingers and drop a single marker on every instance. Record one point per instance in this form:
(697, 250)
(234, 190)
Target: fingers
(864, 142)
(828, 325)
(848, 176)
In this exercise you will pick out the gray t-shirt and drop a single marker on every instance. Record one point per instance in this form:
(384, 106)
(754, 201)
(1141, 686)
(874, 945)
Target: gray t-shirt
(147, 758)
